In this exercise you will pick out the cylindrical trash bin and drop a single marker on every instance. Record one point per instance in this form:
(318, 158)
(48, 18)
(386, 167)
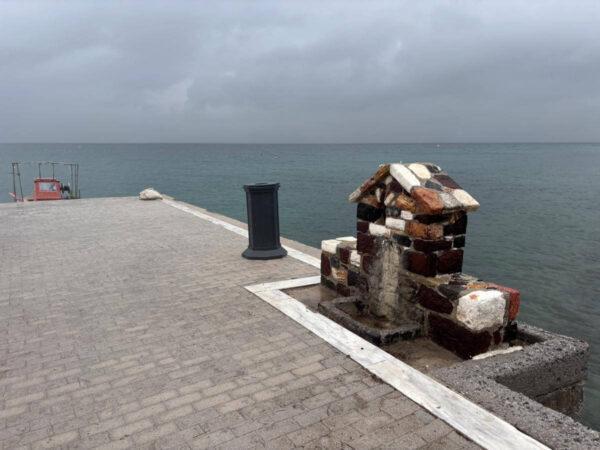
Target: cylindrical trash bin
(263, 222)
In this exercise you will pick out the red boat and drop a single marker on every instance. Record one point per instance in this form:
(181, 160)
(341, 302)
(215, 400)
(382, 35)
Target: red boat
(47, 187)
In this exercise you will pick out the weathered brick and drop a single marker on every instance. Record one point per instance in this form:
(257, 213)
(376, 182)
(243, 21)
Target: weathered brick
(457, 339)
(449, 261)
(366, 243)
(457, 226)
(419, 230)
(368, 212)
(421, 263)
(430, 299)
(426, 246)
(325, 264)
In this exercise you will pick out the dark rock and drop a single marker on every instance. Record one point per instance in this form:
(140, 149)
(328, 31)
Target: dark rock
(362, 226)
(451, 291)
(335, 261)
(511, 332)
(396, 187)
(393, 212)
(368, 212)
(433, 168)
(433, 185)
(365, 243)
(429, 219)
(430, 299)
(327, 282)
(458, 225)
(457, 339)
(498, 336)
(343, 254)
(459, 241)
(431, 246)
(353, 278)
(402, 239)
(450, 261)
(446, 181)
(367, 262)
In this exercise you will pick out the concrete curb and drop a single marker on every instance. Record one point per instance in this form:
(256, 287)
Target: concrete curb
(512, 385)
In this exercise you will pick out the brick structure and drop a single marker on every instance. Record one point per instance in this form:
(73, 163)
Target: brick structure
(406, 260)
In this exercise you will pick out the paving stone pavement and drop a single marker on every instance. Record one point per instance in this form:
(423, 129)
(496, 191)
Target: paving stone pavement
(125, 324)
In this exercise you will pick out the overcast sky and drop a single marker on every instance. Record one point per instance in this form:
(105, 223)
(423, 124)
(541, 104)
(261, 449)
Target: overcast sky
(415, 71)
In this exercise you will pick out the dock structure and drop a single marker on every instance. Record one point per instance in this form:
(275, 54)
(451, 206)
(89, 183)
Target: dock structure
(129, 324)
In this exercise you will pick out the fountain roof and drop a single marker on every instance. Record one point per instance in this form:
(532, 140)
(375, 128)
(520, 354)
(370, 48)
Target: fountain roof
(431, 189)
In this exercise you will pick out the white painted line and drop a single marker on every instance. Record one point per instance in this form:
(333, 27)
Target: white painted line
(479, 425)
(296, 254)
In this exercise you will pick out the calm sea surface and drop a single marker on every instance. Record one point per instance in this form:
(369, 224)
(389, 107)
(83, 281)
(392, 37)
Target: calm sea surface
(538, 228)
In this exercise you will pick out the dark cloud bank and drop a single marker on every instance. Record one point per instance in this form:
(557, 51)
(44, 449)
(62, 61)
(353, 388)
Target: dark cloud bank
(378, 71)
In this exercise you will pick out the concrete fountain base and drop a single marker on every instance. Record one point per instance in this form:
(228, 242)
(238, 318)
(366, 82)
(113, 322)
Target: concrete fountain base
(352, 313)
(538, 389)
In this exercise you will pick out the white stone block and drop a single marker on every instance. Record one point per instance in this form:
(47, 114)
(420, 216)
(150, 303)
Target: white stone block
(330, 245)
(479, 310)
(389, 199)
(465, 199)
(396, 224)
(405, 177)
(406, 215)
(378, 230)
(347, 239)
(420, 171)
(355, 258)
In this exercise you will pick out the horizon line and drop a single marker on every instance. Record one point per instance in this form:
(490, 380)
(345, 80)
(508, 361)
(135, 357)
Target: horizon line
(295, 143)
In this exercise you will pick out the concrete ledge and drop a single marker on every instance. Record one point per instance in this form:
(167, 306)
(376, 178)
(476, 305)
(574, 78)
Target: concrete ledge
(512, 385)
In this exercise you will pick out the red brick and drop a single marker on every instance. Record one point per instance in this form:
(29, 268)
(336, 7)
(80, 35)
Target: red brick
(362, 226)
(430, 299)
(457, 339)
(365, 243)
(325, 265)
(426, 246)
(344, 254)
(450, 261)
(421, 263)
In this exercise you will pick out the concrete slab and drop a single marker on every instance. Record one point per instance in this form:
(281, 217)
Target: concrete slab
(126, 324)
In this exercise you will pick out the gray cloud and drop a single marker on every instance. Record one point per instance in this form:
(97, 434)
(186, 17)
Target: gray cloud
(300, 71)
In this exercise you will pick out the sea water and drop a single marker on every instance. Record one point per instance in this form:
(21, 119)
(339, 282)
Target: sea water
(538, 228)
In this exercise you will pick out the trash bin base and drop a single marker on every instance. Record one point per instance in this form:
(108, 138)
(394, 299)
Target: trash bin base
(264, 254)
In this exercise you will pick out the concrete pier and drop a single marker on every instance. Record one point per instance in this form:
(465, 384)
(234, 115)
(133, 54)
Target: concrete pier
(126, 324)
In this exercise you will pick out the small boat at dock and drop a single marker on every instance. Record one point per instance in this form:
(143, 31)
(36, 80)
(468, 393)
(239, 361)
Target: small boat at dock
(46, 184)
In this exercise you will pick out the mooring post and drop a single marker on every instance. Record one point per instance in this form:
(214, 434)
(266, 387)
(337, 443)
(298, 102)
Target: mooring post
(263, 222)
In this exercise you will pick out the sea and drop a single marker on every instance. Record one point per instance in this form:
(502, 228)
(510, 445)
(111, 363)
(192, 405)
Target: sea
(538, 228)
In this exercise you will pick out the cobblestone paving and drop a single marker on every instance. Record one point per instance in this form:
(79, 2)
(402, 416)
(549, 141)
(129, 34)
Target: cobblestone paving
(125, 324)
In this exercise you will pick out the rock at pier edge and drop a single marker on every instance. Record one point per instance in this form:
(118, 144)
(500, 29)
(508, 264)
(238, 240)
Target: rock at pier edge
(411, 227)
